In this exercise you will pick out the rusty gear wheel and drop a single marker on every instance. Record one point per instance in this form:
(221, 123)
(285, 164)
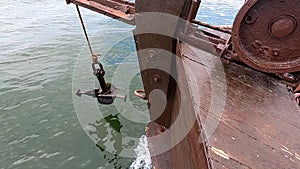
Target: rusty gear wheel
(266, 35)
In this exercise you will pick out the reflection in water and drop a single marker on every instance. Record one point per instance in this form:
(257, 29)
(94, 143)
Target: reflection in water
(111, 141)
(110, 126)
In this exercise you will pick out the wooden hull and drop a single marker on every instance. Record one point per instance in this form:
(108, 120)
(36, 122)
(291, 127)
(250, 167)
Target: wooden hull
(258, 126)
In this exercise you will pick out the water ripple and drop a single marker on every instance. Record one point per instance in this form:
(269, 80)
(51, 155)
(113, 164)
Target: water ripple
(23, 160)
(23, 140)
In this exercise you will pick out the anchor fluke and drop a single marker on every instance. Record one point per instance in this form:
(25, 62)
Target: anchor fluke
(125, 98)
(114, 96)
(78, 93)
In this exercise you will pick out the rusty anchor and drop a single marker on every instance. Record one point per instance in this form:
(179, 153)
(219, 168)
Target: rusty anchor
(106, 93)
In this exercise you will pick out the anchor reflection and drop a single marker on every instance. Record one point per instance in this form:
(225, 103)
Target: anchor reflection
(111, 141)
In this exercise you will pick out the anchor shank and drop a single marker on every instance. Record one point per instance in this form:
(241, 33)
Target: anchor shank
(102, 83)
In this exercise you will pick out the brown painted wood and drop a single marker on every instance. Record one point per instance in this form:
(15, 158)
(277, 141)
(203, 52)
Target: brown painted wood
(159, 161)
(186, 153)
(185, 150)
(120, 11)
(189, 153)
(260, 124)
(148, 41)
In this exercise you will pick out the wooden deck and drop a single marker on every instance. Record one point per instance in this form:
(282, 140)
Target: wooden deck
(259, 124)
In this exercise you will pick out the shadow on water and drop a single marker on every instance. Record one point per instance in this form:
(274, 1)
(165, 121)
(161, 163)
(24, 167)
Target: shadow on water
(111, 126)
(112, 139)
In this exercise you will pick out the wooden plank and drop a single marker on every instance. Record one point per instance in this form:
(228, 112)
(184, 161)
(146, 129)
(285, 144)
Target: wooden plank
(120, 11)
(164, 160)
(155, 43)
(182, 138)
(260, 123)
(189, 153)
(217, 164)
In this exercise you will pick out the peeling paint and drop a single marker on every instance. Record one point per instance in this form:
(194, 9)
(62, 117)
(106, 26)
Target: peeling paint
(284, 147)
(292, 160)
(220, 153)
(297, 156)
(286, 150)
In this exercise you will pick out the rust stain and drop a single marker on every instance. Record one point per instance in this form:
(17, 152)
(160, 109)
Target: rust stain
(297, 156)
(287, 151)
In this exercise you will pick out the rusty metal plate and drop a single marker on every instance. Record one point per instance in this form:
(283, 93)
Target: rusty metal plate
(266, 35)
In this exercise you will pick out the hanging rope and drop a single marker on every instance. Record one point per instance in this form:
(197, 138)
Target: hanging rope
(94, 57)
(106, 93)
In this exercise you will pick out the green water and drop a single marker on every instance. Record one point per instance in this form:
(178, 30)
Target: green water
(43, 61)
(40, 44)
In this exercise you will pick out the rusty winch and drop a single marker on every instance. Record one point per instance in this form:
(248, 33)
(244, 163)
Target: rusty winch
(266, 35)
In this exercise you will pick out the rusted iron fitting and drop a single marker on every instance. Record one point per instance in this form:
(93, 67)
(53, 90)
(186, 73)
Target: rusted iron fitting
(266, 37)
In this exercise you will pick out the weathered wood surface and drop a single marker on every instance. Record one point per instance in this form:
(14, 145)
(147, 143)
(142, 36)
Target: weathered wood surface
(156, 45)
(156, 27)
(159, 161)
(182, 139)
(190, 152)
(113, 9)
(259, 126)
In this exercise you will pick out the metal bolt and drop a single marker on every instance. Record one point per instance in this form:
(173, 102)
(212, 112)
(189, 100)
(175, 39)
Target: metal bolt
(289, 76)
(276, 52)
(156, 78)
(152, 54)
(283, 26)
(251, 18)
